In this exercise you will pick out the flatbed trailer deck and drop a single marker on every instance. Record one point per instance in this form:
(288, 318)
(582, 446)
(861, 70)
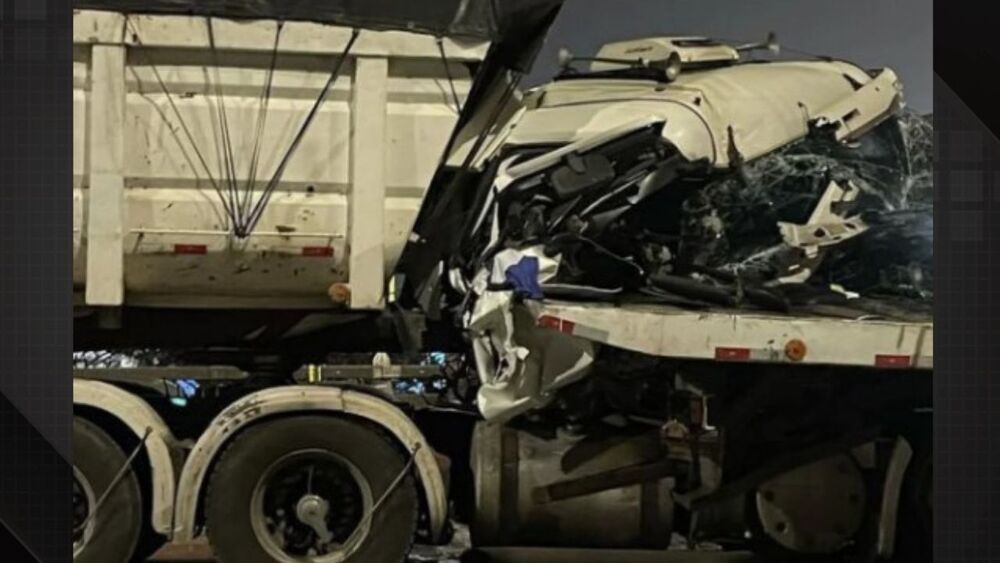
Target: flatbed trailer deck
(737, 335)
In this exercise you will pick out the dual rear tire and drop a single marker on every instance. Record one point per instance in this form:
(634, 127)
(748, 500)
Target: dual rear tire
(303, 489)
(113, 533)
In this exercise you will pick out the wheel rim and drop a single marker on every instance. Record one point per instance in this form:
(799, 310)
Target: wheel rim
(309, 506)
(83, 502)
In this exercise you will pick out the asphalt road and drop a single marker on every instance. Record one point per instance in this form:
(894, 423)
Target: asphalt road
(201, 552)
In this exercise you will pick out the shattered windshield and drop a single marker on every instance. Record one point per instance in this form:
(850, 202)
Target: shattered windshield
(830, 218)
(729, 224)
(816, 225)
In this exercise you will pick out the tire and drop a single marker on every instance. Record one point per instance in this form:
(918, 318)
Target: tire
(114, 531)
(251, 455)
(854, 547)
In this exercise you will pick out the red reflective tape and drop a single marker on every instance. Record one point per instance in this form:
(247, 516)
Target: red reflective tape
(190, 249)
(548, 321)
(732, 354)
(317, 251)
(892, 361)
(555, 323)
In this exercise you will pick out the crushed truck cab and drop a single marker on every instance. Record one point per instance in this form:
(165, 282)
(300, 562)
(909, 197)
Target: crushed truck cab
(681, 286)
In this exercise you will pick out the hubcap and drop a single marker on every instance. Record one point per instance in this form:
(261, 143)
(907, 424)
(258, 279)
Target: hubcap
(311, 511)
(787, 505)
(310, 506)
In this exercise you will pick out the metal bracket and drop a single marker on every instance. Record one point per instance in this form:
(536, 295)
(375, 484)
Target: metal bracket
(825, 227)
(156, 373)
(859, 113)
(319, 374)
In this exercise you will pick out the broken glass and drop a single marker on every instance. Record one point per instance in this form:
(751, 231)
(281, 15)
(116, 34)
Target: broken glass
(730, 225)
(815, 221)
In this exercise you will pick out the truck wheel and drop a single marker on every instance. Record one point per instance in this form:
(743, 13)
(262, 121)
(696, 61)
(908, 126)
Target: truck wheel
(814, 512)
(299, 489)
(110, 535)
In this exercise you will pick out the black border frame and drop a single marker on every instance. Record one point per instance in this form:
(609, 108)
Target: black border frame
(36, 309)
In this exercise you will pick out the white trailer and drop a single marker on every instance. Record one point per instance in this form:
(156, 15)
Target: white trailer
(178, 118)
(330, 411)
(741, 336)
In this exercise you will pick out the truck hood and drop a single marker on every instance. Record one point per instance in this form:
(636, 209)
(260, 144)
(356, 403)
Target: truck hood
(742, 111)
(716, 119)
(732, 187)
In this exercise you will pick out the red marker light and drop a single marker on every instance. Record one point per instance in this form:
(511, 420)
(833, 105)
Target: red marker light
(732, 354)
(317, 251)
(892, 361)
(190, 249)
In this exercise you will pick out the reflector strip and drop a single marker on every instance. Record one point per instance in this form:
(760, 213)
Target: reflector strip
(317, 251)
(892, 361)
(555, 323)
(190, 249)
(548, 321)
(732, 354)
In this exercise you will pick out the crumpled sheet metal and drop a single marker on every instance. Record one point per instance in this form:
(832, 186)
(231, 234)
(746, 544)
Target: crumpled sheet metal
(745, 238)
(826, 227)
(520, 365)
(611, 232)
(729, 223)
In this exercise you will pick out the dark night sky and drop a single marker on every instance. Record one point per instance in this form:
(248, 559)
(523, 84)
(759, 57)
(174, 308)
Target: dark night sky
(872, 33)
